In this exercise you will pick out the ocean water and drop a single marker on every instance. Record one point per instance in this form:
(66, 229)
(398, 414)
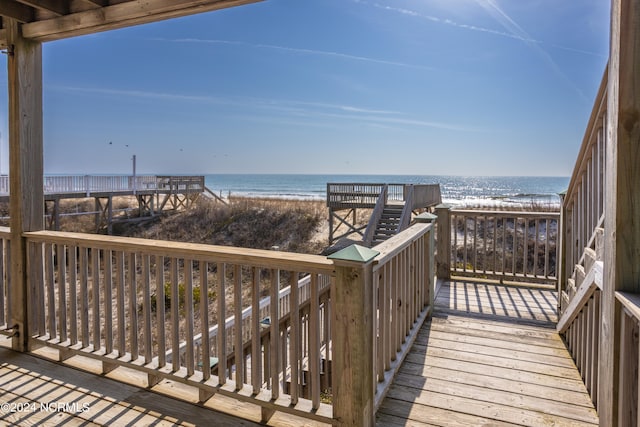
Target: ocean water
(458, 190)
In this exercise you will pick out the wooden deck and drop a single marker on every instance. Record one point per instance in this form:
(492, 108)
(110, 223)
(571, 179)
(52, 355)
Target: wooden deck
(489, 356)
(34, 391)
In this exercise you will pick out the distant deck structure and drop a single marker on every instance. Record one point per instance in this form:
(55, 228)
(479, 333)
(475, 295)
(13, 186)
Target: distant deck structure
(392, 204)
(154, 193)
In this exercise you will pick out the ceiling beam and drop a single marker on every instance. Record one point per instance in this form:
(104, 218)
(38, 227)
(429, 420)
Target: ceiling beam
(97, 2)
(120, 15)
(18, 11)
(58, 7)
(3, 38)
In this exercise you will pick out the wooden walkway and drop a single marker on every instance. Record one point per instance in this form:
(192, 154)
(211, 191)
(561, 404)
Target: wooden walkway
(37, 392)
(489, 356)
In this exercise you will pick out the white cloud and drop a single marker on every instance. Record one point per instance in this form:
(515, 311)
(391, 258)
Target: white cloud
(258, 108)
(303, 51)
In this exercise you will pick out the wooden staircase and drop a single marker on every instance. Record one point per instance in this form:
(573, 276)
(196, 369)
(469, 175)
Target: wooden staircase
(388, 222)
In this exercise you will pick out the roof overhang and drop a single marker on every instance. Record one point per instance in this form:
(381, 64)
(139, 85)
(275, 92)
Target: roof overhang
(48, 20)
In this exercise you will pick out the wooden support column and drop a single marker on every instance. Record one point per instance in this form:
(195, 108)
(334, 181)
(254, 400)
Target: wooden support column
(622, 195)
(443, 254)
(561, 262)
(26, 204)
(353, 343)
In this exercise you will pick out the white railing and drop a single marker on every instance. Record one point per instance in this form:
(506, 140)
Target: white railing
(91, 184)
(510, 245)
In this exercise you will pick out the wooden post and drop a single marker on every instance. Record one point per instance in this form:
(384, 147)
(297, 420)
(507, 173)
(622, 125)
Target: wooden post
(561, 268)
(443, 249)
(26, 203)
(429, 218)
(353, 337)
(622, 198)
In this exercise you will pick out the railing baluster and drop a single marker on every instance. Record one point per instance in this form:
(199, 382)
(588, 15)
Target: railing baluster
(84, 297)
(239, 343)
(95, 296)
(222, 333)
(160, 312)
(256, 332)
(204, 318)
(314, 343)
(294, 339)
(464, 258)
(188, 315)
(120, 304)
(133, 307)
(475, 244)
(73, 298)
(146, 307)
(50, 290)
(275, 334)
(175, 316)
(108, 300)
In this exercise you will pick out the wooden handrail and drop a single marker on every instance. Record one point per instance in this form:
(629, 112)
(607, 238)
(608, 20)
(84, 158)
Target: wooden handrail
(405, 217)
(591, 282)
(375, 216)
(251, 257)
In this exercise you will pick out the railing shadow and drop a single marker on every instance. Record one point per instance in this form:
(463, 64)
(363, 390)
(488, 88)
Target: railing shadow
(37, 392)
(498, 302)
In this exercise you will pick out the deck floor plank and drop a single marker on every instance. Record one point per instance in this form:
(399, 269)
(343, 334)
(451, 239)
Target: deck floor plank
(489, 356)
(34, 389)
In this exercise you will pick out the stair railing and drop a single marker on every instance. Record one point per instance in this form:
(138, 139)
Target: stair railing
(375, 216)
(405, 218)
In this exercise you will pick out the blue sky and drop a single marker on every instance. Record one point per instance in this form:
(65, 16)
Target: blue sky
(429, 87)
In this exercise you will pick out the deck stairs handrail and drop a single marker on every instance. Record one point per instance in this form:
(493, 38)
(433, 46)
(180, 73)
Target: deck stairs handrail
(581, 283)
(375, 216)
(407, 210)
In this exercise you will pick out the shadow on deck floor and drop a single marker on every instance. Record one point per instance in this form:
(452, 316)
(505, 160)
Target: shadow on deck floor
(38, 392)
(489, 356)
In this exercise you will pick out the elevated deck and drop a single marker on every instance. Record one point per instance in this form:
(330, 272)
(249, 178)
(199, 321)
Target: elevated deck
(489, 356)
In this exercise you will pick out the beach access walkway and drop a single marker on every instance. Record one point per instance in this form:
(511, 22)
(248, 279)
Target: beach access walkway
(154, 193)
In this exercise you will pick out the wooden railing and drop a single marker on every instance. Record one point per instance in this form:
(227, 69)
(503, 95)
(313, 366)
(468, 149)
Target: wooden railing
(403, 278)
(340, 195)
(5, 288)
(345, 195)
(629, 374)
(581, 322)
(369, 232)
(136, 303)
(180, 183)
(583, 206)
(581, 285)
(104, 297)
(407, 210)
(503, 245)
(264, 310)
